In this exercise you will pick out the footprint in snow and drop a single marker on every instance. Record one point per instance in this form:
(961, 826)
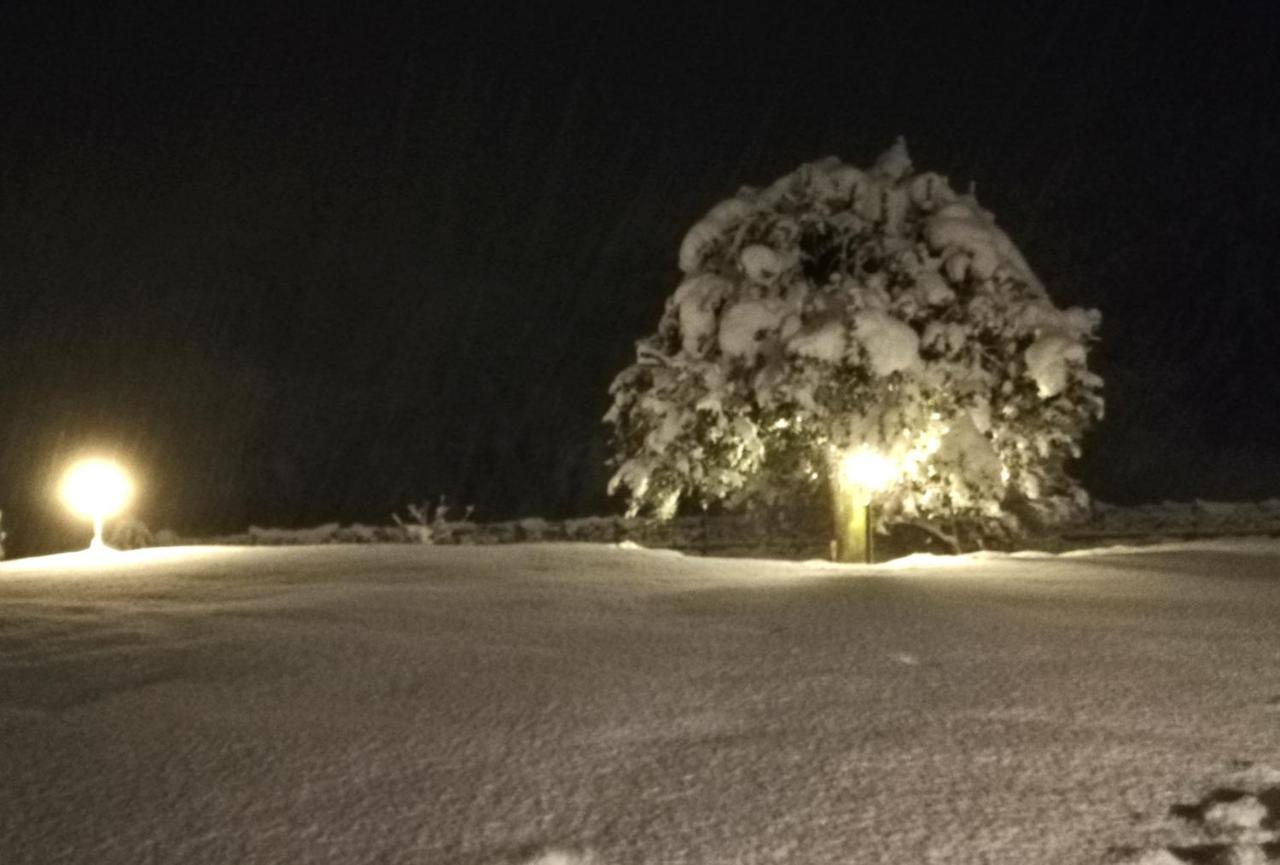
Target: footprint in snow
(1237, 821)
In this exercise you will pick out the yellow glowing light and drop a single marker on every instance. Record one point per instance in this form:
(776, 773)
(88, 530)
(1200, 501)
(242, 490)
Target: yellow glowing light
(96, 489)
(866, 470)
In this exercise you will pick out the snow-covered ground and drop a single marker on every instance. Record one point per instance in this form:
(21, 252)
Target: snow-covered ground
(563, 703)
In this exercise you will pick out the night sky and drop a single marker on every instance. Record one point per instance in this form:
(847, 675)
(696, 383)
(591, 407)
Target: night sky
(300, 263)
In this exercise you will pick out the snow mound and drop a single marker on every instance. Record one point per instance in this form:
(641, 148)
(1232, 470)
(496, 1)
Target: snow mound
(966, 447)
(696, 299)
(762, 264)
(1254, 778)
(1048, 360)
(706, 233)
(891, 344)
(969, 231)
(826, 343)
(1245, 812)
(561, 857)
(894, 163)
(1156, 857)
(1236, 822)
(744, 324)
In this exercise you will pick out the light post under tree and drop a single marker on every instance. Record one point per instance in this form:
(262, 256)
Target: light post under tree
(859, 475)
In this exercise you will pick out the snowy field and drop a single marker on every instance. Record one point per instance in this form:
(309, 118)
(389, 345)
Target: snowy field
(571, 704)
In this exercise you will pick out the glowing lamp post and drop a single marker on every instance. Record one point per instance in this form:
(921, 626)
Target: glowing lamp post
(860, 475)
(96, 489)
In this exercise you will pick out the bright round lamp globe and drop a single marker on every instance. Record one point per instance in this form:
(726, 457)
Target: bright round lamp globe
(96, 488)
(867, 470)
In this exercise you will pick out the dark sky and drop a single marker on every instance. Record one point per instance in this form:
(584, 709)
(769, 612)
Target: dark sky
(307, 262)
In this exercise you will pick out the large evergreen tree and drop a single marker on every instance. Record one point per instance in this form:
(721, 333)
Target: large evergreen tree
(844, 312)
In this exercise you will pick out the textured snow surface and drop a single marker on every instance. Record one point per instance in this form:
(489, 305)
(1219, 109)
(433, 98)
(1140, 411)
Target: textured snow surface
(566, 705)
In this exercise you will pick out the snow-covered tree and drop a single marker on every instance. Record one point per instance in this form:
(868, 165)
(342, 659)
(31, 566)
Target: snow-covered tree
(843, 311)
